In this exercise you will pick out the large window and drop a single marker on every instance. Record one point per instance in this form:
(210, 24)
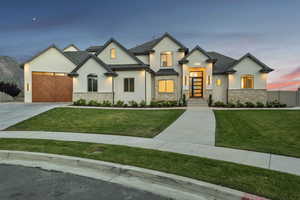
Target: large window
(166, 86)
(128, 84)
(113, 54)
(92, 83)
(166, 59)
(247, 82)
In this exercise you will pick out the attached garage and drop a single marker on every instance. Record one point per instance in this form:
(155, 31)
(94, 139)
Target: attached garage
(51, 87)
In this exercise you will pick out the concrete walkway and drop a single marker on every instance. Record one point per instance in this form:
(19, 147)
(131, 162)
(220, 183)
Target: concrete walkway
(263, 160)
(12, 113)
(195, 126)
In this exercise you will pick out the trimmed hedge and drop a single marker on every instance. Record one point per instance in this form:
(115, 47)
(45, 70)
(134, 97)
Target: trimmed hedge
(238, 104)
(132, 104)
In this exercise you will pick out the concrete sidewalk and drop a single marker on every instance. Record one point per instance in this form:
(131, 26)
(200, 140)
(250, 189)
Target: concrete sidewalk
(263, 160)
(195, 126)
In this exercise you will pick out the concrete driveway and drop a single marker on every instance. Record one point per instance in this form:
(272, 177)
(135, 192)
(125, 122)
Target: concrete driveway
(12, 113)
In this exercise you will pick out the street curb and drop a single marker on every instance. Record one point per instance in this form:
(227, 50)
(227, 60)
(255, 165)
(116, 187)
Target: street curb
(169, 185)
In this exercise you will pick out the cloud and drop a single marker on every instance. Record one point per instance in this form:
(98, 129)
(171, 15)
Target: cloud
(289, 81)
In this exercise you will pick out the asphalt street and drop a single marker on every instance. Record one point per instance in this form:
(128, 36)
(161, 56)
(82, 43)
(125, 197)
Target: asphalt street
(20, 183)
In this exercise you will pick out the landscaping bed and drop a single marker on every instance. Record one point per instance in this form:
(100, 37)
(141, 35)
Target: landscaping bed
(262, 182)
(270, 131)
(238, 104)
(138, 123)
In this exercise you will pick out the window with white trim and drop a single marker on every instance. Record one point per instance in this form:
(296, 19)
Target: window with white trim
(247, 82)
(92, 82)
(166, 86)
(166, 59)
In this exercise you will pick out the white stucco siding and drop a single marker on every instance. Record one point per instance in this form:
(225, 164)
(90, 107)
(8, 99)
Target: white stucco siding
(144, 59)
(197, 59)
(220, 92)
(50, 61)
(166, 44)
(70, 48)
(139, 86)
(92, 67)
(245, 67)
(121, 56)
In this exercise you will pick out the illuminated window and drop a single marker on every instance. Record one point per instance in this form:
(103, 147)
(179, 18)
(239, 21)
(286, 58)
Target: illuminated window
(218, 82)
(92, 83)
(113, 54)
(208, 80)
(166, 59)
(166, 86)
(128, 84)
(247, 82)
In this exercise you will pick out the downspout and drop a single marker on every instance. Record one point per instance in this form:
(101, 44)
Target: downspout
(227, 89)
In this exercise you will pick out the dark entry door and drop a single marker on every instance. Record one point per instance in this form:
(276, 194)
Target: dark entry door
(197, 87)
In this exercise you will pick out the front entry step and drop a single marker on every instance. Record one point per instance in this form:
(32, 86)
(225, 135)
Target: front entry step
(193, 102)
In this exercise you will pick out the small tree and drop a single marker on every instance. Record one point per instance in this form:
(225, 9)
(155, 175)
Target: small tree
(10, 89)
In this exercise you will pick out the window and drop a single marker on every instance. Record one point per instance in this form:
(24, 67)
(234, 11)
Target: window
(166, 59)
(218, 82)
(128, 84)
(166, 86)
(113, 54)
(247, 81)
(92, 83)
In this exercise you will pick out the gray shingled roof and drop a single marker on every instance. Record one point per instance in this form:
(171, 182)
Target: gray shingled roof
(94, 48)
(147, 47)
(166, 72)
(77, 57)
(223, 62)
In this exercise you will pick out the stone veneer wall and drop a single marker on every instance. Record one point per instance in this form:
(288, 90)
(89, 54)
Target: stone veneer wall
(96, 96)
(244, 95)
(174, 96)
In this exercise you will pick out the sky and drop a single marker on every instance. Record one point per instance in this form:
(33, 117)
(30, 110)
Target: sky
(268, 29)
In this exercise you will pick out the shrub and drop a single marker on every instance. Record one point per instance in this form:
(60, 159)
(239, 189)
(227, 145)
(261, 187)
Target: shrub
(80, 102)
(260, 104)
(153, 104)
(133, 104)
(119, 103)
(269, 104)
(125, 105)
(173, 103)
(184, 100)
(93, 103)
(283, 105)
(106, 103)
(230, 105)
(143, 104)
(10, 89)
(249, 104)
(239, 104)
(219, 104)
(210, 101)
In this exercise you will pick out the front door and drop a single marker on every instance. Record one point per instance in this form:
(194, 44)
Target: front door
(196, 85)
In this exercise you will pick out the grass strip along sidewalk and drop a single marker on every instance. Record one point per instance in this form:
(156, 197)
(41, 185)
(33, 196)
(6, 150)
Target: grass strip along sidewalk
(138, 123)
(262, 182)
(269, 131)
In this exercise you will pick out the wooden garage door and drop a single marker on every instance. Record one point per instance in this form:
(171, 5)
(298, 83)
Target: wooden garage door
(51, 87)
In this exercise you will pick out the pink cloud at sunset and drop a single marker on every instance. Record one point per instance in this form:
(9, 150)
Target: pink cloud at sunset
(289, 81)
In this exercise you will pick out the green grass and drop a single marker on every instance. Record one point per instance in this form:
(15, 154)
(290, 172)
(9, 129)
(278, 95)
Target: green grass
(271, 131)
(262, 182)
(138, 123)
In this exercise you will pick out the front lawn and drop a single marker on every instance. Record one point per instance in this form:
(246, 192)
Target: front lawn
(138, 123)
(270, 131)
(262, 182)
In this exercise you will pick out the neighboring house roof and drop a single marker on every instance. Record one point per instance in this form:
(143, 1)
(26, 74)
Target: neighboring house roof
(112, 40)
(100, 62)
(166, 72)
(71, 45)
(147, 47)
(265, 68)
(197, 48)
(94, 49)
(43, 51)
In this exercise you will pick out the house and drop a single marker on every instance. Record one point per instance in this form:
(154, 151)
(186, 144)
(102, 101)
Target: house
(160, 69)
